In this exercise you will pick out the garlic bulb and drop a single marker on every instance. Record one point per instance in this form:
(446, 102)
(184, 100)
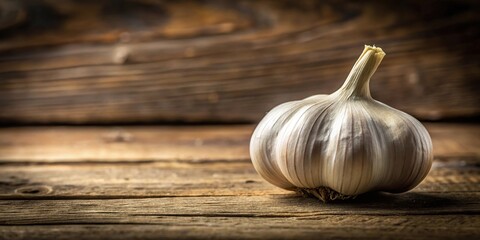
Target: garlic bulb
(342, 144)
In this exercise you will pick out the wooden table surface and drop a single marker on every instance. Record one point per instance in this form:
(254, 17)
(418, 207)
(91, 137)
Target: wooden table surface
(198, 182)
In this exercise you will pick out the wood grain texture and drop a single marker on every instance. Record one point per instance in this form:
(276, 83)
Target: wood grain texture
(154, 143)
(324, 227)
(50, 189)
(17, 212)
(176, 143)
(228, 61)
(107, 181)
(422, 216)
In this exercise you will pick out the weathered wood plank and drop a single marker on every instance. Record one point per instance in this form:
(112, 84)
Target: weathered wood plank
(153, 210)
(132, 61)
(48, 189)
(74, 144)
(176, 143)
(313, 227)
(105, 181)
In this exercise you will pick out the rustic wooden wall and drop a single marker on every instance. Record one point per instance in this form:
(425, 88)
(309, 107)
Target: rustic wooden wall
(228, 61)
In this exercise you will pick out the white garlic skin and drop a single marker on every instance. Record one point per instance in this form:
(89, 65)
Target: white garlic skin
(345, 141)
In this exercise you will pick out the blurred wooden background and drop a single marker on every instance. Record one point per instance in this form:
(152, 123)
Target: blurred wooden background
(229, 61)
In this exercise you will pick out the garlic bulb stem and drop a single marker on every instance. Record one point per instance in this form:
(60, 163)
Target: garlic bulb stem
(357, 82)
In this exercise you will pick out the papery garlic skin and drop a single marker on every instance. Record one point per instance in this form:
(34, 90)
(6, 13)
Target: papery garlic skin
(346, 141)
